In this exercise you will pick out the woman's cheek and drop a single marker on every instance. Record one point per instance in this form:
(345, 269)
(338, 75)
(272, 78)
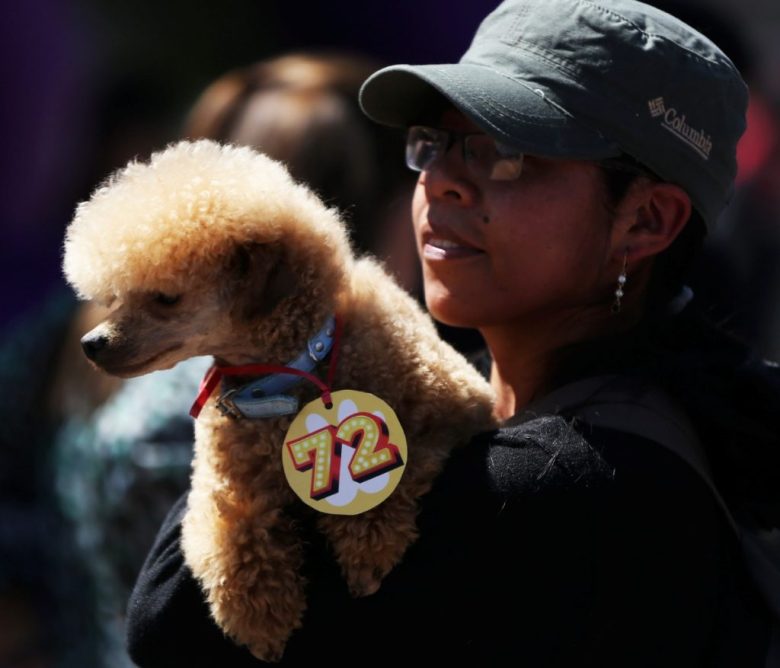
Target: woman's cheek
(419, 208)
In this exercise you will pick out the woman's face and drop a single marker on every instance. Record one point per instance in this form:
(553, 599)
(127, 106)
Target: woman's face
(502, 252)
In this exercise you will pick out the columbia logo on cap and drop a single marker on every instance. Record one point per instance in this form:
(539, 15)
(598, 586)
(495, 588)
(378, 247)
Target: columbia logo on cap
(674, 122)
(656, 107)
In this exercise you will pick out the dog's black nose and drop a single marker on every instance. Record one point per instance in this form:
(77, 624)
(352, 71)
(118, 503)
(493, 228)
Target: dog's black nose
(92, 344)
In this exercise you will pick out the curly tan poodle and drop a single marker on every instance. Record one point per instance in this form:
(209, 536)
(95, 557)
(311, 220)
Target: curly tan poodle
(214, 250)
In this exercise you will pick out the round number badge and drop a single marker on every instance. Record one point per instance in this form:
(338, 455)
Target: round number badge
(347, 459)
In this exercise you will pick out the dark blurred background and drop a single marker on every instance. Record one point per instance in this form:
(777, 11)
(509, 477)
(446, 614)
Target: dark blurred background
(88, 85)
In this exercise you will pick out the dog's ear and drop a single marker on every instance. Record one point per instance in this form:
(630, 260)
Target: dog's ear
(261, 278)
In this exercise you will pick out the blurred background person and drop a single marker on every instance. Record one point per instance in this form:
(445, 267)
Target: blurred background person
(302, 109)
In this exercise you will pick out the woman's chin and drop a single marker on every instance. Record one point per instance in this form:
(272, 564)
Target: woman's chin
(449, 311)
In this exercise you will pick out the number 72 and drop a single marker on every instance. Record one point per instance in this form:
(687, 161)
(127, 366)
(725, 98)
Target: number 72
(320, 451)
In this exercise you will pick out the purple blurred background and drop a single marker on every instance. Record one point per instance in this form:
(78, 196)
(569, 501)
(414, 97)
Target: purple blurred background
(89, 85)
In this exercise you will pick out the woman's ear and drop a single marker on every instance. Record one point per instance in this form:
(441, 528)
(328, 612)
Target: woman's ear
(649, 219)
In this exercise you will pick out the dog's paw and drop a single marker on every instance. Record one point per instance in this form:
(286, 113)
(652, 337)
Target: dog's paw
(268, 652)
(365, 582)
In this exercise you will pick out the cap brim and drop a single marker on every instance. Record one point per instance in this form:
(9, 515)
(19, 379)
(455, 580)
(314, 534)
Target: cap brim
(512, 111)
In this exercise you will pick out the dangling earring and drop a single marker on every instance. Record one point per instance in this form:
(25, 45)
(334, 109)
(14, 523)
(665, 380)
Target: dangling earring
(621, 284)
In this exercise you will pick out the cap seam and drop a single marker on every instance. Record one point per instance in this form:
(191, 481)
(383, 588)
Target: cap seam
(501, 108)
(646, 33)
(567, 66)
(571, 66)
(512, 114)
(508, 113)
(569, 116)
(574, 72)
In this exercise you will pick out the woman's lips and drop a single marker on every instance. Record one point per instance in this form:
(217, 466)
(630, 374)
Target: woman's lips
(438, 248)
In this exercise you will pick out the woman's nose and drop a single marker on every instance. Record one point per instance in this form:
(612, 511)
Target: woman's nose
(447, 178)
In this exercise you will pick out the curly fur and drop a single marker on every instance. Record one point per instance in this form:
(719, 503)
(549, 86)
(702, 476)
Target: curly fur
(175, 227)
(185, 208)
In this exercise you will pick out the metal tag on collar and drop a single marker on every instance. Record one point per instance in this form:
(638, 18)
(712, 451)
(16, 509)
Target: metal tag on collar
(266, 407)
(256, 408)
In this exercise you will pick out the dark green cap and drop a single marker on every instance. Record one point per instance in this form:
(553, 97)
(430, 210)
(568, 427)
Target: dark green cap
(588, 80)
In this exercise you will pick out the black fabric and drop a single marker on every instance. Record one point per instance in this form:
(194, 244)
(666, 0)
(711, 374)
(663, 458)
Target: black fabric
(539, 546)
(731, 395)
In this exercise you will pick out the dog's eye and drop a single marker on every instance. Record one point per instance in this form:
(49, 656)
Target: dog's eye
(166, 300)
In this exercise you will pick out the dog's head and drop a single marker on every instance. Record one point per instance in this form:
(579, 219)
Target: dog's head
(205, 250)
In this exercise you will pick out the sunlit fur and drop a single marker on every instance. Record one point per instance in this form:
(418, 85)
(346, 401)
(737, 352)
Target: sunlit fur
(256, 264)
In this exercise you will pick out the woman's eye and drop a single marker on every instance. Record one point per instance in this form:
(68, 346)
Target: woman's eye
(167, 300)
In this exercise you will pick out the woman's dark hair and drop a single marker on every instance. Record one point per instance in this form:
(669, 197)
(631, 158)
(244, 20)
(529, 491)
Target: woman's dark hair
(670, 267)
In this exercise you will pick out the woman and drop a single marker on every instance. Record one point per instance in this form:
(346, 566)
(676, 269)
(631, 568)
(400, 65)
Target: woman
(567, 165)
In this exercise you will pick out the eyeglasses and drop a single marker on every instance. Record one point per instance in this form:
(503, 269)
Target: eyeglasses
(483, 156)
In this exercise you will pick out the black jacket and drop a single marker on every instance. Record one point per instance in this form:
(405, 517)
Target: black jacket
(538, 547)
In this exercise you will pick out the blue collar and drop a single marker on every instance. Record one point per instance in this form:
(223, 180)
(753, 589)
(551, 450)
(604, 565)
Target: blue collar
(264, 397)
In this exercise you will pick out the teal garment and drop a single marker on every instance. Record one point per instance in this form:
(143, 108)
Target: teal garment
(41, 574)
(117, 474)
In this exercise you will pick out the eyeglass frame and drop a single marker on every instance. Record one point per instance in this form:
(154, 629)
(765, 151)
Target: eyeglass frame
(502, 153)
(622, 163)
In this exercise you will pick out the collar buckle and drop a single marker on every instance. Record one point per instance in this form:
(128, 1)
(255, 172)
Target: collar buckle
(227, 407)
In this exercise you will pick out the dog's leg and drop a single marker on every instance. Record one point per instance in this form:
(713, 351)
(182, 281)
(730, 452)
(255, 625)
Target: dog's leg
(369, 545)
(244, 550)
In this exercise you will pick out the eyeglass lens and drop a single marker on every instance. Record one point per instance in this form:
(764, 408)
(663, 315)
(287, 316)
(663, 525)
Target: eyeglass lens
(482, 155)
